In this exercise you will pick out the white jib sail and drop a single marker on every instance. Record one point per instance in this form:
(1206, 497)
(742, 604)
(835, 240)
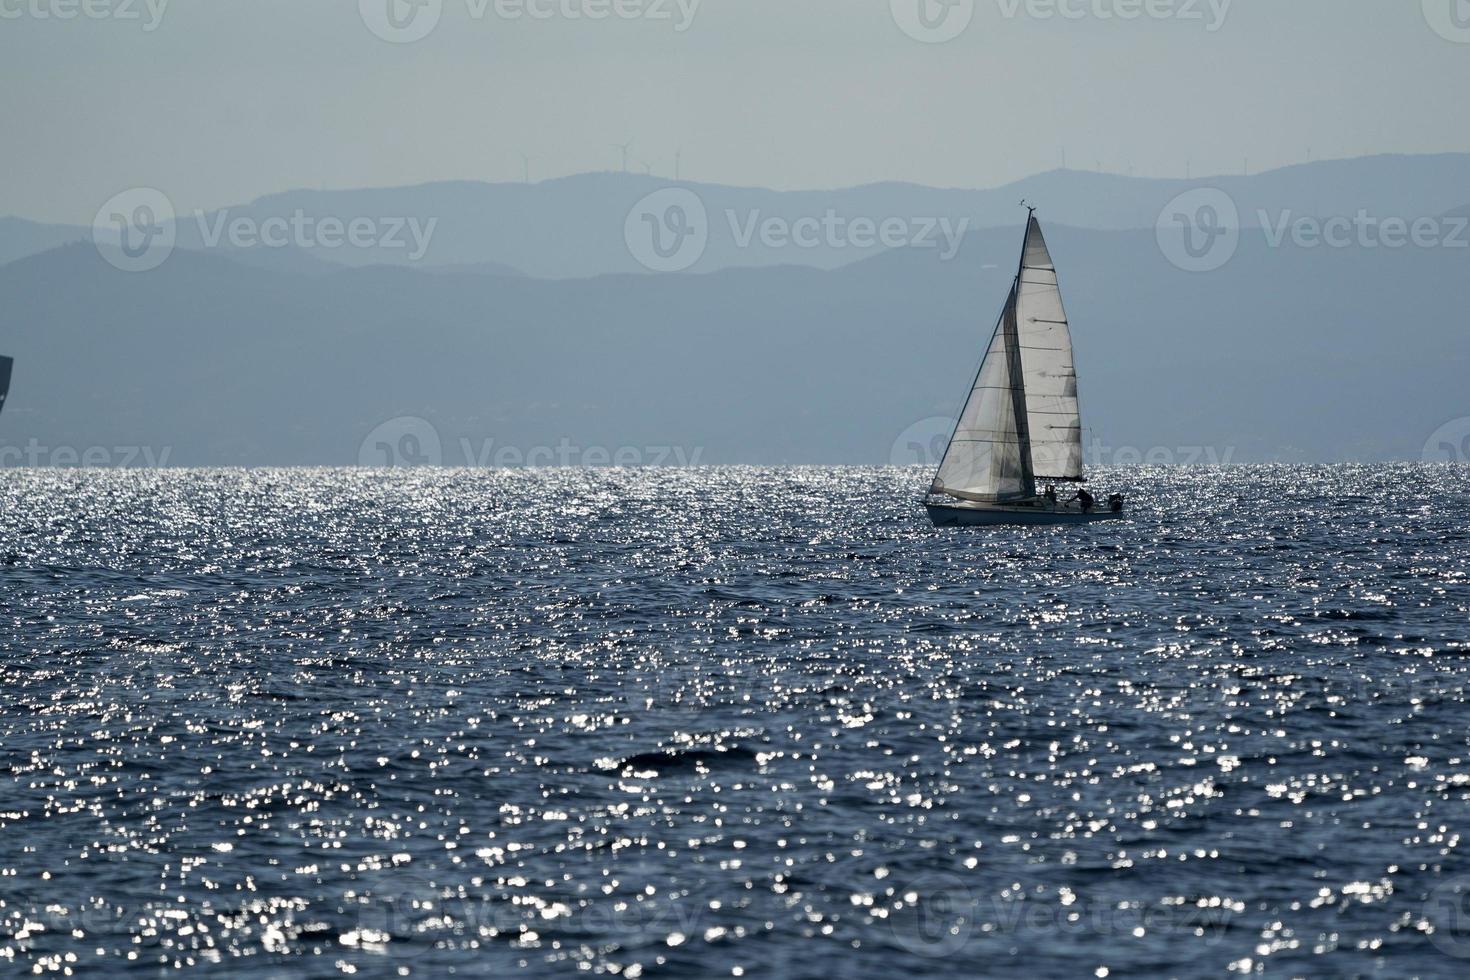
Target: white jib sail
(1054, 420)
(987, 460)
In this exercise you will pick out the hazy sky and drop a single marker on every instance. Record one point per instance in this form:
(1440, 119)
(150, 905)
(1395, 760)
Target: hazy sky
(225, 100)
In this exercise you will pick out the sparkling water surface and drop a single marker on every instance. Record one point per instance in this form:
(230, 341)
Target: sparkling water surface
(731, 722)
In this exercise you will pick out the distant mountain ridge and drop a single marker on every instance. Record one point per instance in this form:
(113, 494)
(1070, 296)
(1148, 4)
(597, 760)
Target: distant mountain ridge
(579, 226)
(20, 238)
(1287, 354)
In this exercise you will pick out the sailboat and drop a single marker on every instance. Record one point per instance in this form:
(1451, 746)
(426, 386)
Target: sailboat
(1021, 427)
(5, 365)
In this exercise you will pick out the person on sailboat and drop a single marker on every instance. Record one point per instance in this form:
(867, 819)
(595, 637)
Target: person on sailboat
(1051, 495)
(1085, 499)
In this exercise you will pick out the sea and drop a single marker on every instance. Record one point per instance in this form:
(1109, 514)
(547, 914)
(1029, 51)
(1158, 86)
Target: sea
(731, 722)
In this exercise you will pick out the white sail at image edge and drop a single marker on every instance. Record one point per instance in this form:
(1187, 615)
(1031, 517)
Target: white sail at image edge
(6, 364)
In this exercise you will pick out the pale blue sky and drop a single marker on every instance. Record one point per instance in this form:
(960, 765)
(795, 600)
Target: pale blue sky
(226, 100)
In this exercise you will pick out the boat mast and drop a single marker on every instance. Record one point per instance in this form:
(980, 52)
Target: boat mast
(1013, 363)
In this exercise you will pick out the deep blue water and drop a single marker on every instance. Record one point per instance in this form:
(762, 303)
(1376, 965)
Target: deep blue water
(732, 722)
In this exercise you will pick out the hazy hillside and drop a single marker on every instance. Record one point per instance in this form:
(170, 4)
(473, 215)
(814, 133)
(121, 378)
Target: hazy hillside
(579, 226)
(1284, 353)
(19, 238)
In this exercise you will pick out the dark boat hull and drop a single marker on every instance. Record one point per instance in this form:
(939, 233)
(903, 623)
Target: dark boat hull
(980, 515)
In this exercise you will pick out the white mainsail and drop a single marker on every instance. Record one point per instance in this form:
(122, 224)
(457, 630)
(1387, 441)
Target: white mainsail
(1055, 422)
(1021, 421)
